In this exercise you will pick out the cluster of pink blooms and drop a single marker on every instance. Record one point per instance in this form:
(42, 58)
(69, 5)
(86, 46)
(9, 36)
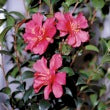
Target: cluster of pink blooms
(39, 34)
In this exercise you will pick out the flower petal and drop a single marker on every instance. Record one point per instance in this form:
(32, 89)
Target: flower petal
(61, 78)
(77, 42)
(83, 36)
(55, 62)
(82, 21)
(30, 26)
(47, 91)
(63, 33)
(38, 84)
(49, 27)
(57, 90)
(61, 25)
(71, 39)
(41, 66)
(38, 18)
(41, 47)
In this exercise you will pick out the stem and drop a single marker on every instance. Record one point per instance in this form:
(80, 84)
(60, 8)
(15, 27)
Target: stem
(2, 66)
(74, 57)
(16, 52)
(93, 18)
(51, 7)
(75, 7)
(27, 12)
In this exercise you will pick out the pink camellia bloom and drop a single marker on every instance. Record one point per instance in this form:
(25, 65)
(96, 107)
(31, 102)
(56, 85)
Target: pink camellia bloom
(48, 77)
(38, 35)
(67, 24)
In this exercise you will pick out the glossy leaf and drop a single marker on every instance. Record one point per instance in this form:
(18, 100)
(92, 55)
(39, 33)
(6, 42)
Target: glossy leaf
(92, 48)
(27, 74)
(68, 70)
(4, 32)
(6, 90)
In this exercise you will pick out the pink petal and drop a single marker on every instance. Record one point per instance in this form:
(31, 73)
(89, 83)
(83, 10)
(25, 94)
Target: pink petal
(83, 36)
(38, 18)
(82, 21)
(61, 78)
(62, 33)
(41, 66)
(38, 84)
(69, 17)
(55, 62)
(47, 91)
(41, 47)
(57, 90)
(49, 27)
(61, 25)
(71, 39)
(77, 43)
(28, 37)
(30, 26)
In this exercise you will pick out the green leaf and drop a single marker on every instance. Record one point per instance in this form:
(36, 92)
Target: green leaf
(54, 1)
(98, 4)
(10, 20)
(102, 90)
(17, 14)
(105, 59)
(4, 32)
(70, 2)
(14, 72)
(44, 105)
(15, 82)
(102, 106)
(68, 70)
(34, 107)
(93, 99)
(27, 74)
(27, 94)
(47, 2)
(66, 49)
(6, 90)
(103, 45)
(4, 52)
(22, 86)
(92, 48)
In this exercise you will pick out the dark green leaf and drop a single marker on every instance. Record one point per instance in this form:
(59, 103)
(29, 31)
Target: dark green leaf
(17, 14)
(10, 20)
(22, 86)
(103, 45)
(27, 74)
(15, 82)
(27, 94)
(44, 105)
(92, 48)
(4, 32)
(6, 90)
(68, 70)
(54, 1)
(34, 107)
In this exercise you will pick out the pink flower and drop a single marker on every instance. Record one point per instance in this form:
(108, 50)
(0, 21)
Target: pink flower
(48, 77)
(38, 35)
(67, 24)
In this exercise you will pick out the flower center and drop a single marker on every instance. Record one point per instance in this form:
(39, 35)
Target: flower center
(75, 27)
